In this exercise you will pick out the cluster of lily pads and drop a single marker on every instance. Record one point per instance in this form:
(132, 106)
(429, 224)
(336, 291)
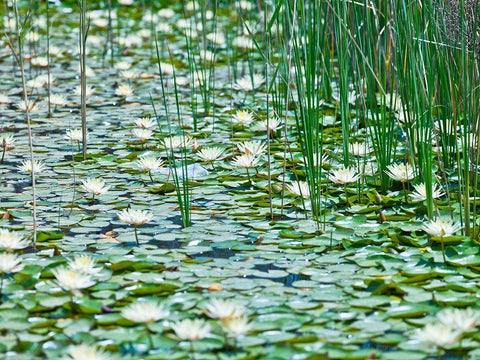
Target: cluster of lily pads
(254, 276)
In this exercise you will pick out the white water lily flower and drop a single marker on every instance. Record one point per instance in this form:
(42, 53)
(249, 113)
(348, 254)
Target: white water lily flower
(28, 166)
(6, 141)
(210, 154)
(207, 55)
(124, 90)
(243, 117)
(129, 74)
(123, 65)
(191, 6)
(75, 135)
(438, 334)
(84, 264)
(245, 161)
(200, 79)
(459, 319)
(130, 41)
(39, 82)
(32, 36)
(359, 149)
(100, 22)
(58, 100)
(244, 42)
(145, 122)
(9, 263)
(12, 240)
(237, 326)
(224, 309)
(272, 125)
(149, 164)
(177, 142)
(252, 147)
(317, 159)
(22, 105)
(420, 193)
(95, 186)
(167, 69)
(145, 312)
(86, 352)
(55, 51)
(192, 330)
(40, 21)
(216, 37)
(35, 83)
(146, 33)
(244, 5)
(88, 91)
(142, 134)
(441, 227)
(400, 172)
(344, 175)
(72, 280)
(89, 72)
(163, 27)
(40, 61)
(4, 99)
(135, 217)
(299, 188)
(166, 13)
(249, 83)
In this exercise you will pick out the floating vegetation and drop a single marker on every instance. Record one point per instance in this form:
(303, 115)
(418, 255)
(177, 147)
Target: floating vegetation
(239, 180)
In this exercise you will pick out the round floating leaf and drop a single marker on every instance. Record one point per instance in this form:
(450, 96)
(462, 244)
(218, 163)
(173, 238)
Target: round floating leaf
(408, 310)
(403, 355)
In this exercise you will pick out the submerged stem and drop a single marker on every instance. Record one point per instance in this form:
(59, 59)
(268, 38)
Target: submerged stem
(72, 304)
(248, 175)
(192, 351)
(443, 251)
(150, 336)
(1, 287)
(136, 234)
(405, 192)
(346, 195)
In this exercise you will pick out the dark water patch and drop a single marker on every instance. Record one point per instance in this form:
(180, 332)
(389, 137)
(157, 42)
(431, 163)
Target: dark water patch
(286, 280)
(176, 220)
(171, 244)
(215, 253)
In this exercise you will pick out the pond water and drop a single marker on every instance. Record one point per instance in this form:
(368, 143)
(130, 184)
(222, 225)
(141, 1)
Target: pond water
(363, 281)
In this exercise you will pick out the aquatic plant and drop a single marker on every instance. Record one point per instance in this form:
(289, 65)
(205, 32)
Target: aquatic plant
(94, 187)
(144, 312)
(135, 217)
(191, 329)
(72, 281)
(440, 228)
(12, 240)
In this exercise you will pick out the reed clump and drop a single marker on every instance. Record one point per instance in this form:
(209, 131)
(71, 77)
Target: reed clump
(461, 24)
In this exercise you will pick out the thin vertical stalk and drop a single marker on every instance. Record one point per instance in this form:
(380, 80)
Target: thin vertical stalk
(110, 32)
(307, 55)
(19, 57)
(83, 33)
(183, 196)
(48, 60)
(342, 41)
